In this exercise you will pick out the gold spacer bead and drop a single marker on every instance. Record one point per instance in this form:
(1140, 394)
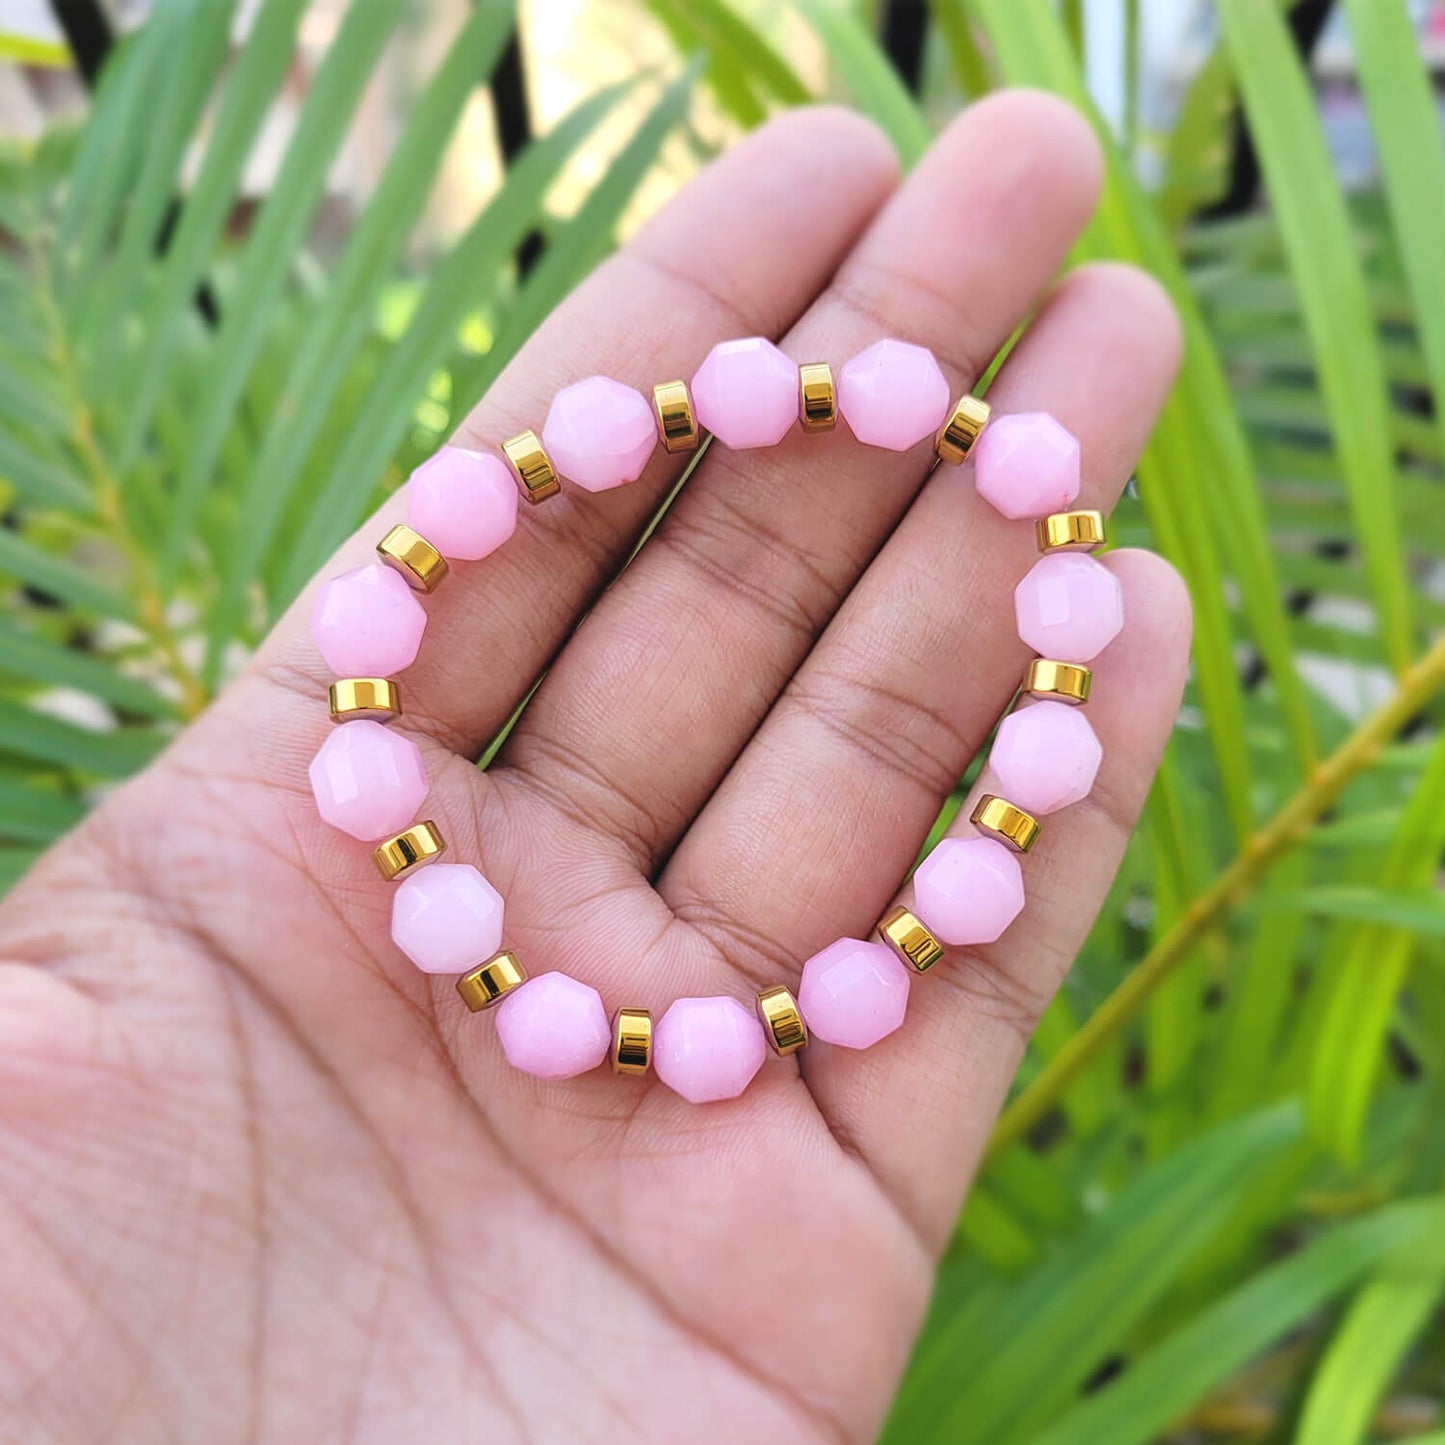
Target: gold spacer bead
(1070, 532)
(414, 557)
(675, 420)
(491, 981)
(1006, 822)
(1062, 681)
(376, 699)
(631, 1041)
(531, 466)
(410, 849)
(965, 422)
(817, 400)
(778, 1009)
(907, 935)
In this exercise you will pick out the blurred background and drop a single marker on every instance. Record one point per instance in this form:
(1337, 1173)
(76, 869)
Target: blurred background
(257, 258)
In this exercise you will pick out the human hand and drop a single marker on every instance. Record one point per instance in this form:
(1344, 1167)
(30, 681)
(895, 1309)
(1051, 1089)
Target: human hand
(261, 1179)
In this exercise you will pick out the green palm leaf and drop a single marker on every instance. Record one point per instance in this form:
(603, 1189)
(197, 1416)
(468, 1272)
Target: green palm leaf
(574, 250)
(329, 346)
(270, 253)
(1046, 1336)
(1316, 232)
(1161, 1386)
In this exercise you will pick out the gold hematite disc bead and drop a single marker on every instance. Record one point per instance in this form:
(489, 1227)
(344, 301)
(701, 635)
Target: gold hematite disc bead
(778, 1009)
(411, 848)
(414, 557)
(1070, 532)
(817, 401)
(376, 699)
(491, 981)
(906, 934)
(1060, 681)
(675, 420)
(631, 1041)
(531, 466)
(962, 429)
(1006, 822)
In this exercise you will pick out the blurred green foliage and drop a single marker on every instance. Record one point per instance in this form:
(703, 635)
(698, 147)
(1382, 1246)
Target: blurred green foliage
(1213, 1209)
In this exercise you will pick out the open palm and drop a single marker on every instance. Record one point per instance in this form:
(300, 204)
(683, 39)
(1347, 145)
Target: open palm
(260, 1179)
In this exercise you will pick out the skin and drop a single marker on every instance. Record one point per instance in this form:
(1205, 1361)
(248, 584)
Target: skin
(262, 1180)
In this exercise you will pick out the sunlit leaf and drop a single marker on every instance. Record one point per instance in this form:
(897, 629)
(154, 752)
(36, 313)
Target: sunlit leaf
(1048, 1334)
(869, 80)
(1316, 231)
(1382, 1323)
(1177, 1373)
(1373, 961)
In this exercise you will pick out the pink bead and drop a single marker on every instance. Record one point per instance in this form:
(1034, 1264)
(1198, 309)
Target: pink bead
(708, 1048)
(464, 503)
(446, 918)
(893, 395)
(368, 781)
(368, 622)
(968, 890)
(1026, 465)
(554, 1027)
(746, 393)
(1069, 607)
(1045, 757)
(853, 993)
(599, 433)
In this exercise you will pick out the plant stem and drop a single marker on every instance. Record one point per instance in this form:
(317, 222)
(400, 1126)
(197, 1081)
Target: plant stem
(1283, 831)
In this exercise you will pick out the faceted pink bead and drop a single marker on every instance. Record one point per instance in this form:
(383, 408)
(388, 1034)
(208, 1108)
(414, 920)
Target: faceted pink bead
(464, 503)
(968, 890)
(368, 781)
(893, 395)
(446, 918)
(1045, 757)
(746, 393)
(599, 433)
(554, 1027)
(368, 622)
(853, 993)
(1027, 465)
(1069, 607)
(708, 1048)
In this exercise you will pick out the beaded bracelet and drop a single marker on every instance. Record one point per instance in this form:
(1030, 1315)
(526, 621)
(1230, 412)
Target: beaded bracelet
(599, 434)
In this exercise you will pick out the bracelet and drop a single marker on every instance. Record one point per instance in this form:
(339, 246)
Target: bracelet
(462, 505)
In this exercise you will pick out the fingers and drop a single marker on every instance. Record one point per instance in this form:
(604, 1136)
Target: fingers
(721, 259)
(918, 1107)
(678, 664)
(850, 769)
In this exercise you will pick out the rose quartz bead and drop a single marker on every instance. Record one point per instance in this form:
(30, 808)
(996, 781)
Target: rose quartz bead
(446, 918)
(708, 1048)
(368, 622)
(1069, 607)
(746, 393)
(853, 993)
(368, 781)
(1045, 757)
(599, 433)
(893, 395)
(554, 1027)
(464, 503)
(968, 890)
(1026, 465)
